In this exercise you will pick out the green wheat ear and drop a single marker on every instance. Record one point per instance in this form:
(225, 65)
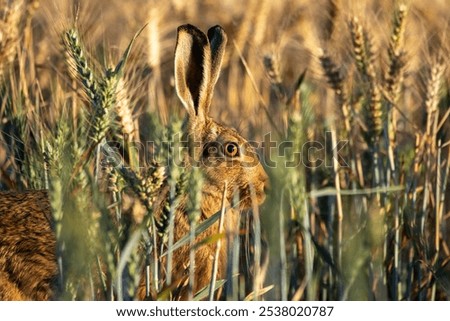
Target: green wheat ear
(78, 63)
(101, 90)
(107, 95)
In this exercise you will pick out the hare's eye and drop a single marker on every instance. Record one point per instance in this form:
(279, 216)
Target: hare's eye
(232, 149)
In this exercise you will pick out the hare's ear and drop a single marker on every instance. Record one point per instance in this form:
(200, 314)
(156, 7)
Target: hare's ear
(217, 40)
(192, 70)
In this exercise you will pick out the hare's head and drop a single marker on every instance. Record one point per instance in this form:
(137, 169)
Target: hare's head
(223, 154)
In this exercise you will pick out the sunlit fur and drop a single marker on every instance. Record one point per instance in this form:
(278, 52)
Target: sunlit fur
(28, 267)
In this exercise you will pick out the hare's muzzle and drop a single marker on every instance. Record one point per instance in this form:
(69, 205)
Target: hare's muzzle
(262, 184)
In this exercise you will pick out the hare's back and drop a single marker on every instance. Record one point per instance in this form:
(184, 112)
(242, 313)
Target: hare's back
(27, 245)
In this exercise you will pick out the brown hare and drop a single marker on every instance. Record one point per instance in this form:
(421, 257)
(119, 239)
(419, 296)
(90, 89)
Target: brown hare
(28, 269)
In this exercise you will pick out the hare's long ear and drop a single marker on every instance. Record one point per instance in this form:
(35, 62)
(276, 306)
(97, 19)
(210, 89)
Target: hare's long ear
(193, 70)
(217, 40)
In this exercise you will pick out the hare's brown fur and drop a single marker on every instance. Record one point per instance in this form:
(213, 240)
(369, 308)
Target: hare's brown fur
(28, 268)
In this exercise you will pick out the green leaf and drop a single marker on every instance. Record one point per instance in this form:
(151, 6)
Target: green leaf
(199, 229)
(119, 68)
(204, 292)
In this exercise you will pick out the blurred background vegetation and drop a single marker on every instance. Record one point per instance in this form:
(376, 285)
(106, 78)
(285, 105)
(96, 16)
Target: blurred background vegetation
(371, 223)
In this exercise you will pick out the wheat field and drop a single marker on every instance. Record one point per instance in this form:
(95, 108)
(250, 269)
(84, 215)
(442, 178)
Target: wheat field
(347, 101)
